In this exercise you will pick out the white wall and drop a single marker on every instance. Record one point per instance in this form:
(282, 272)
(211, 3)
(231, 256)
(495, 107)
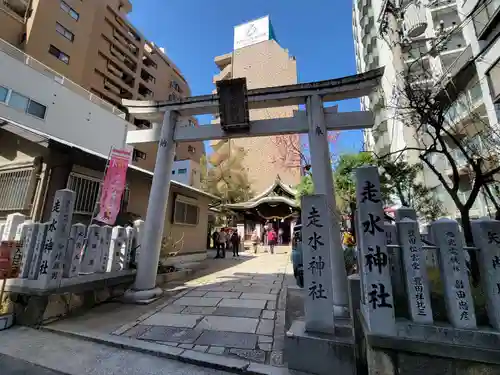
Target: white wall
(191, 176)
(70, 116)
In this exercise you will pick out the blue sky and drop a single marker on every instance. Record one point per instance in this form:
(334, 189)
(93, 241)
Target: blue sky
(317, 32)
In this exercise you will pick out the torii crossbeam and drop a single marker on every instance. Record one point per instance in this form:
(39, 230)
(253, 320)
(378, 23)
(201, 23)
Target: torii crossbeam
(316, 121)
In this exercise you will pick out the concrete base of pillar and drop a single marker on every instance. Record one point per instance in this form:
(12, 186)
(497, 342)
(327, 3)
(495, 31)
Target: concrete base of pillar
(319, 354)
(142, 297)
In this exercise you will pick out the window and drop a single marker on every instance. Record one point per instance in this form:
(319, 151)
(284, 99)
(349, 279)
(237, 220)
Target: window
(136, 155)
(486, 11)
(36, 109)
(3, 94)
(494, 80)
(173, 172)
(191, 149)
(185, 213)
(65, 32)
(182, 171)
(72, 13)
(25, 104)
(56, 52)
(18, 101)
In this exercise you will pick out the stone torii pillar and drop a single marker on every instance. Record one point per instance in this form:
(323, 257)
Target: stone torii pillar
(144, 288)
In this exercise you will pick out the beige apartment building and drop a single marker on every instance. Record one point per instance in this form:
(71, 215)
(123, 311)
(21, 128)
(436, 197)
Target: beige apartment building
(263, 64)
(92, 43)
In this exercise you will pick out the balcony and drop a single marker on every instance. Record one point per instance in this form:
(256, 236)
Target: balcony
(226, 73)
(19, 7)
(439, 5)
(415, 19)
(147, 77)
(145, 92)
(467, 109)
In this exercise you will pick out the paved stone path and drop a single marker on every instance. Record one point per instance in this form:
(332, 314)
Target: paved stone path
(236, 312)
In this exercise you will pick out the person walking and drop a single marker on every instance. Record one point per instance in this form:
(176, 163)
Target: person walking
(221, 249)
(255, 240)
(235, 239)
(280, 236)
(272, 239)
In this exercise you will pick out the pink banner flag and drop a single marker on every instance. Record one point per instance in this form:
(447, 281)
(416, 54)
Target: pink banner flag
(113, 186)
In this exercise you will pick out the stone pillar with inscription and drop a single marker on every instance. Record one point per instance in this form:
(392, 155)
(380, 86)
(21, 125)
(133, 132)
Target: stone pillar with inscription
(323, 184)
(91, 253)
(319, 316)
(139, 231)
(117, 249)
(374, 259)
(416, 280)
(397, 277)
(75, 248)
(38, 251)
(21, 230)
(56, 241)
(11, 224)
(486, 235)
(457, 293)
(106, 232)
(130, 232)
(29, 242)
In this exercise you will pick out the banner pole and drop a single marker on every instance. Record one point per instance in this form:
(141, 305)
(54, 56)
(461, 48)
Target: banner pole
(98, 199)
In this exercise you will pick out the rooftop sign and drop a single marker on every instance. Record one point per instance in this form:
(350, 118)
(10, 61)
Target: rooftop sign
(252, 32)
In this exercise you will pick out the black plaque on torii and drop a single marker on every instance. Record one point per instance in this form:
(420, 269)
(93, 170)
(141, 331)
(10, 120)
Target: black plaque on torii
(233, 105)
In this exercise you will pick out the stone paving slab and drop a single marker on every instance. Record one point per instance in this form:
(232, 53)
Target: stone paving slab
(228, 339)
(197, 301)
(228, 323)
(237, 312)
(243, 303)
(173, 320)
(233, 313)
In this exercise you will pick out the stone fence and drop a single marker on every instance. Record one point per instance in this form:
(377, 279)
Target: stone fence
(55, 257)
(414, 323)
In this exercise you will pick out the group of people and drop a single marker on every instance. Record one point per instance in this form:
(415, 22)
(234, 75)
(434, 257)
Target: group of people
(226, 239)
(269, 236)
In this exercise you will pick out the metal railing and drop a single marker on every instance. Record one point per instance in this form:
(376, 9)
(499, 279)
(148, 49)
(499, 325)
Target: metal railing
(15, 186)
(19, 55)
(86, 189)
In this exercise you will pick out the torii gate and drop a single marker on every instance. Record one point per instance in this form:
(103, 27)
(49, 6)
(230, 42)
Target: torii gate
(233, 103)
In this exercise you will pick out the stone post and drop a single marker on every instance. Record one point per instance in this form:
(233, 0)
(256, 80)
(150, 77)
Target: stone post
(130, 233)
(102, 263)
(416, 280)
(458, 298)
(139, 231)
(397, 277)
(29, 242)
(11, 224)
(74, 253)
(91, 253)
(37, 251)
(117, 249)
(21, 230)
(323, 184)
(486, 235)
(144, 288)
(405, 213)
(56, 241)
(319, 316)
(374, 259)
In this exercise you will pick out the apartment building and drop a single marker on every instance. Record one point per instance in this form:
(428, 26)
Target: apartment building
(259, 58)
(466, 33)
(93, 44)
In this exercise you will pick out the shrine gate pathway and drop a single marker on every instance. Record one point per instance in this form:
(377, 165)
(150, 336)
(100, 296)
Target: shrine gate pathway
(237, 312)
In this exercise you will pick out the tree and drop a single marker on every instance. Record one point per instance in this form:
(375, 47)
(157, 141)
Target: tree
(223, 174)
(292, 153)
(442, 114)
(402, 182)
